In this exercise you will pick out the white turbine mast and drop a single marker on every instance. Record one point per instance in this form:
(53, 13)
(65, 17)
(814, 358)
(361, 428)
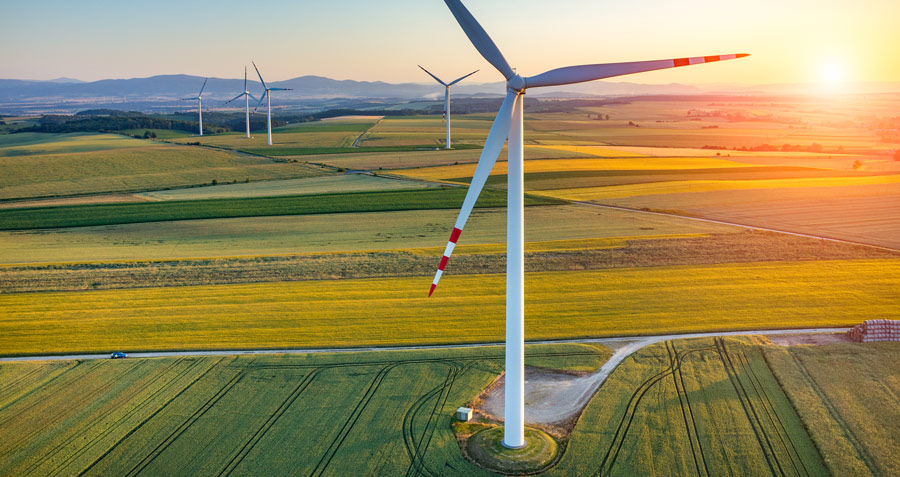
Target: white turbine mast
(199, 99)
(509, 122)
(265, 95)
(246, 94)
(447, 97)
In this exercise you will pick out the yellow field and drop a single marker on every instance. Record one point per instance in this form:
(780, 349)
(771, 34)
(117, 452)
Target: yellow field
(591, 150)
(469, 308)
(556, 165)
(680, 187)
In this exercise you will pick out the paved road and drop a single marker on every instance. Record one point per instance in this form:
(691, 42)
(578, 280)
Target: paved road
(639, 341)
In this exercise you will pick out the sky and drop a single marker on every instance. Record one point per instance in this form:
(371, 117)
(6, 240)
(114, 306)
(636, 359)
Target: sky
(791, 41)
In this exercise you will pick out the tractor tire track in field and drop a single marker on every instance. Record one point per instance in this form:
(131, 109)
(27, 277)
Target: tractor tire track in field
(612, 453)
(178, 431)
(76, 403)
(762, 438)
(134, 410)
(270, 422)
(687, 413)
(150, 417)
(780, 429)
(833, 412)
(335, 445)
(416, 448)
(37, 388)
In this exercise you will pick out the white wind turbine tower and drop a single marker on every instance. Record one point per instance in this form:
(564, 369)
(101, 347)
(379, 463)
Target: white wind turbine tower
(447, 97)
(509, 122)
(247, 96)
(199, 99)
(269, 102)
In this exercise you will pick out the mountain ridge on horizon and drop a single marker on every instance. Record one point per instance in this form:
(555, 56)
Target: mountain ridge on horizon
(170, 88)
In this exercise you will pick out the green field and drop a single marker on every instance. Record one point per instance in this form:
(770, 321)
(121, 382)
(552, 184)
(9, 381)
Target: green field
(846, 395)
(691, 407)
(380, 201)
(396, 311)
(352, 414)
(78, 164)
(711, 406)
(307, 185)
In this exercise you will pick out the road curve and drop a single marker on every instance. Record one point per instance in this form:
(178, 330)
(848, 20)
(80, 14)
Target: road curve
(633, 343)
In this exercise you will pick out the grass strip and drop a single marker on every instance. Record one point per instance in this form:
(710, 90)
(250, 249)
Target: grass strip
(377, 201)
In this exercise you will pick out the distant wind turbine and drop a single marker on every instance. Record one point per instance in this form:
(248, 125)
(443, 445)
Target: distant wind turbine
(247, 97)
(269, 102)
(447, 97)
(199, 103)
(509, 121)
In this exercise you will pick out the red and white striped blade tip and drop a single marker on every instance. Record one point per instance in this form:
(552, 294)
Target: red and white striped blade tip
(433, 286)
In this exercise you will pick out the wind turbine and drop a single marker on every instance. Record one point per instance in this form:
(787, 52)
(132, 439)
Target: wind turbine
(199, 103)
(247, 96)
(447, 97)
(269, 102)
(509, 121)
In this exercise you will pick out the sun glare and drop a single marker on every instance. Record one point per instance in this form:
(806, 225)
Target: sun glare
(832, 75)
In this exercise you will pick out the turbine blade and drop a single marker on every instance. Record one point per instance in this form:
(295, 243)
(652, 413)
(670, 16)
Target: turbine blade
(252, 97)
(433, 76)
(578, 74)
(189, 99)
(280, 89)
(245, 77)
(480, 38)
(457, 80)
(261, 98)
(260, 76)
(234, 98)
(203, 87)
(492, 147)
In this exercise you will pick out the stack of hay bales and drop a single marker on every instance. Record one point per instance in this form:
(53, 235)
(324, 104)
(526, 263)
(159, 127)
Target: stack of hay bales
(875, 330)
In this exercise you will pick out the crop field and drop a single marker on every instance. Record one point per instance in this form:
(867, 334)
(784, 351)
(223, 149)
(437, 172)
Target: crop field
(307, 185)
(593, 164)
(333, 133)
(555, 255)
(396, 311)
(846, 395)
(426, 131)
(31, 144)
(691, 407)
(143, 165)
(709, 406)
(378, 201)
(372, 231)
(372, 413)
(404, 159)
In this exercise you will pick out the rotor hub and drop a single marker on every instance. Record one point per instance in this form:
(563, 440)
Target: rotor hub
(516, 83)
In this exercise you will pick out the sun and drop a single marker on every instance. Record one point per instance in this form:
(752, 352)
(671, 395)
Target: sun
(832, 74)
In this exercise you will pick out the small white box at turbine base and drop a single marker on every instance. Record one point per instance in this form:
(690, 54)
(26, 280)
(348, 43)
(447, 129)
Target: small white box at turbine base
(464, 414)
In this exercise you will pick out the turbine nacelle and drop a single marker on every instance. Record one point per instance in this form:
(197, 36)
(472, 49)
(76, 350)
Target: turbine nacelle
(516, 84)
